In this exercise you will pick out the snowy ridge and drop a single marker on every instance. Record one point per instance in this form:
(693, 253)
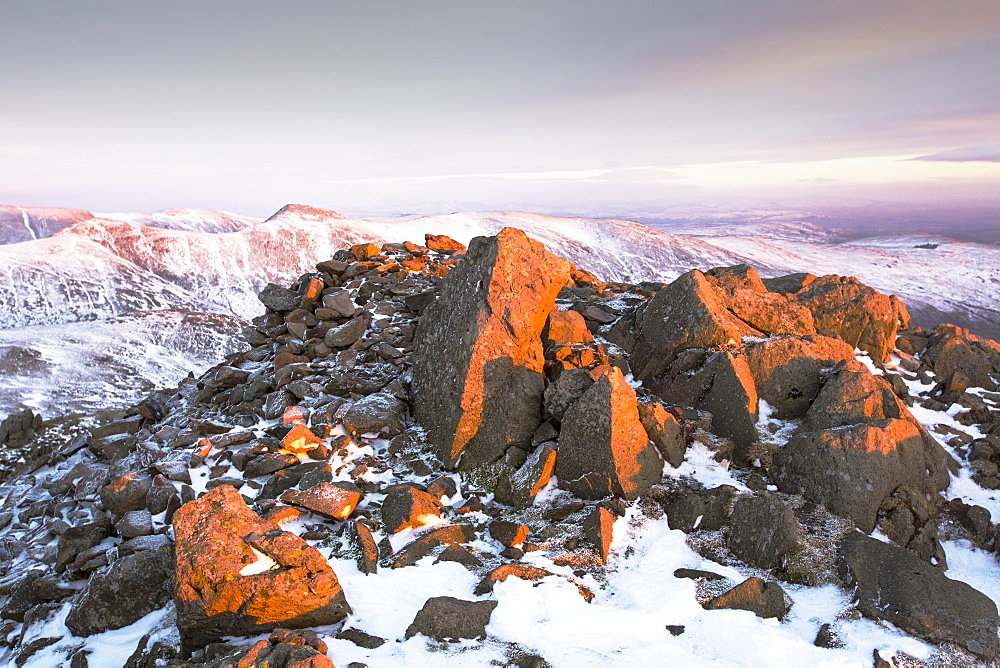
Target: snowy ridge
(24, 223)
(193, 220)
(206, 270)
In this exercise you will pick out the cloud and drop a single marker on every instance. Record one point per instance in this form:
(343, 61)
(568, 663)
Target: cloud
(981, 153)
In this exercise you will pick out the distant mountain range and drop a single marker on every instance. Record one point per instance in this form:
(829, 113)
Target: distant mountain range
(61, 266)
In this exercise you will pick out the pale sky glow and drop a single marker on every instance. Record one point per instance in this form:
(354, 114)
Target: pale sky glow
(557, 105)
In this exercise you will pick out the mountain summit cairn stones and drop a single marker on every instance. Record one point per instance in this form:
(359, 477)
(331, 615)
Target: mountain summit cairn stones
(478, 360)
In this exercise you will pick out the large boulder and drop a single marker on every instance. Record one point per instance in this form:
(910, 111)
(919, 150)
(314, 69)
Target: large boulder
(448, 618)
(892, 584)
(688, 313)
(952, 352)
(720, 383)
(851, 395)
(863, 317)
(127, 591)
(477, 361)
(763, 530)
(746, 296)
(240, 575)
(789, 371)
(852, 469)
(603, 447)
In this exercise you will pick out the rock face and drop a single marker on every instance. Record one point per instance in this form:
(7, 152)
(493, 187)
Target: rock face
(448, 618)
(603, 447)
(851, 470)
(722, 385)
(218, 540)
(856, 313)
(959, 356)
(688, 313)
(477, 367)
(890, 583)
(763, 530)
(788, 371)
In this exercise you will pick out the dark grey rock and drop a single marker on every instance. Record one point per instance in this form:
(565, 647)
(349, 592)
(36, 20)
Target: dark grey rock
(130, 589)
(447, 618)
(762, 530)
(892, 584)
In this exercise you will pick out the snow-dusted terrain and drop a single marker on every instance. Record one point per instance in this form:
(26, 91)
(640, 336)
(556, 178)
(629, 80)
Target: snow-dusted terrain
(117, 352)
(626, 623)
(60, 266)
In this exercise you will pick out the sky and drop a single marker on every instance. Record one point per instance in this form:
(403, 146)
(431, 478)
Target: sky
(582, 106)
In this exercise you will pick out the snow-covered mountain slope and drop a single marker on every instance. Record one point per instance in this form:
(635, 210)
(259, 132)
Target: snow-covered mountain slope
(24, 223)
(955, 280)
(227, 270)
(102, 267)
(108, 364)
(69, 278)
(193, 220)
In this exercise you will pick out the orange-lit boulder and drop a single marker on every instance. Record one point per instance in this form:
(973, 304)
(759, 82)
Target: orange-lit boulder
(688, 313)
(860, 315)
(603, 447)
(226, 588)
(852, 469)
(789, 371)
(477, 360)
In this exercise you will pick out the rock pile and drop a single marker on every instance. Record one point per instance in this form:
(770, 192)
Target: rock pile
(415, 401)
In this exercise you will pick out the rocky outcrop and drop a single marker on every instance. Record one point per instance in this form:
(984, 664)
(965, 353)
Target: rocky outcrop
(864, 318)
(788, 372)
(688, 313)
(311, 445)
(478, 362)
(240, 575)
(962, 360)
(720, 383)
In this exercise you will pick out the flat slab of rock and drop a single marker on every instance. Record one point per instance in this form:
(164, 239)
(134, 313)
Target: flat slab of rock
(603, 447)
(240, 575)
(335, 500)
(448, 618)
(892, 584)
(477, 359)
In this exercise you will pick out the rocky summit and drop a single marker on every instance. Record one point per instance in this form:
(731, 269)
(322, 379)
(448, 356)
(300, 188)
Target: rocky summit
(429, 454)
